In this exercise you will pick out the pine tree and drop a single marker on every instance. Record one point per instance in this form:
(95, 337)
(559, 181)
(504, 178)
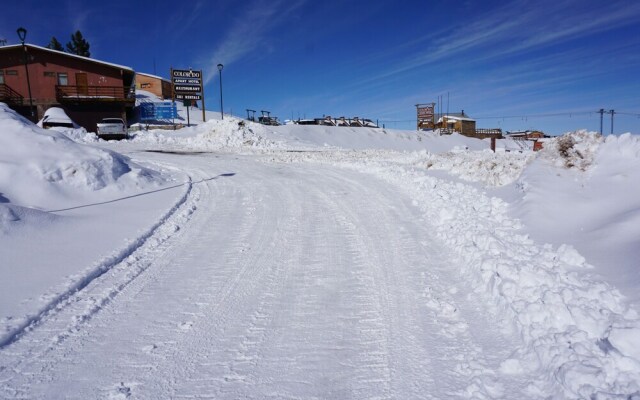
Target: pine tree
(78, 45)
(55, 45)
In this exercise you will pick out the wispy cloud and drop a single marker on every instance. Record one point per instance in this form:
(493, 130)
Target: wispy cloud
(249, 32)
(185, 20)
(516, 27)
(78, 15)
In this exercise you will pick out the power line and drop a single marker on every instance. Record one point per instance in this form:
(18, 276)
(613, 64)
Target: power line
(515, 116)
(570, 114)
(523, 116)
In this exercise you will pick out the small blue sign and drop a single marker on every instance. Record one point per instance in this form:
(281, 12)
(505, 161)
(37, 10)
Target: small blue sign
(158, 110)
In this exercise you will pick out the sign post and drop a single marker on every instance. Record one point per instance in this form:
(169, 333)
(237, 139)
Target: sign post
(187, 86)
(426, 116)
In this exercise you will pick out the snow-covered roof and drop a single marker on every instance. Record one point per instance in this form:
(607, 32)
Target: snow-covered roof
(68, 55)
(455, 118)
(152, 76)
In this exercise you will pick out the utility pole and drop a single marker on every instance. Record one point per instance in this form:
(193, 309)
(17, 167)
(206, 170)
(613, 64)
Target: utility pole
(612, 112)
(601, 117)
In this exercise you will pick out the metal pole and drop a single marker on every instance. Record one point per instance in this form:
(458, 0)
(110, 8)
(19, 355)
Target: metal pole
(26, 68)
(173, 100)
(601, 117)
(220, 66)
(203, 110)
(22, 34)
(612, 112)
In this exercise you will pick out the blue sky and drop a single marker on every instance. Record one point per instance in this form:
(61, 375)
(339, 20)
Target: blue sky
(519, 64)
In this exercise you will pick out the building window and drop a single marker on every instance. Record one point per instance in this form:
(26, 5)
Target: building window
(1, 77)
(49, 74)
(11, 72)
(63, 79)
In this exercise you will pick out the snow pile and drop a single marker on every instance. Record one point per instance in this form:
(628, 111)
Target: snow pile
(374, 138)
(511, 145)
(572, 150)
(40, 168)
(234, 134)
(577, 331)
(228, 134)
(588, 194)
(79, 135)
(495, 169)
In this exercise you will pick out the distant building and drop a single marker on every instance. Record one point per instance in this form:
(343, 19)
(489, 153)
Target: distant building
(526, 135)
(458, 122)
(87, 89)
(154, 84)
(465, 125)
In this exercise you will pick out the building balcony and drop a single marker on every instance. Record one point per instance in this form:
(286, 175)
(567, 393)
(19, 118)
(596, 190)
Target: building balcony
(10, 96)
(93, 94)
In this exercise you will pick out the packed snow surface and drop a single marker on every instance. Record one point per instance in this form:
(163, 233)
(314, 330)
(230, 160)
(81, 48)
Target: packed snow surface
(318, 262)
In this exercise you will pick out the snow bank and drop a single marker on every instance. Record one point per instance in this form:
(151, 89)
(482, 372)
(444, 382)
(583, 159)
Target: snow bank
(43, 168)
(47, 255)
(236, 134)
(572, 150)
(576, 330)
(585, 190)
(494, 169)
(228, 134)
(374, 138)
(79, 135)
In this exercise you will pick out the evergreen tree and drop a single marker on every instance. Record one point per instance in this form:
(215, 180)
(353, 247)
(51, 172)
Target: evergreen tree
(78, 45)
(55, 45)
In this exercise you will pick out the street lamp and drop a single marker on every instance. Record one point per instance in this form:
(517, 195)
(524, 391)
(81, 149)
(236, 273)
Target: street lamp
(220, 66)
(22, 34)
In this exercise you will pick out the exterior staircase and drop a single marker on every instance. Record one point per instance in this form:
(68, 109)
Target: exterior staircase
(10, 96)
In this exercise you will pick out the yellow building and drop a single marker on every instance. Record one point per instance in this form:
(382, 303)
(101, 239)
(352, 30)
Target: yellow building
(154, 84)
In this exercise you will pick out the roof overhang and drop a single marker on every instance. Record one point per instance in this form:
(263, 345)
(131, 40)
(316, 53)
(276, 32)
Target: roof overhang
(62, 53)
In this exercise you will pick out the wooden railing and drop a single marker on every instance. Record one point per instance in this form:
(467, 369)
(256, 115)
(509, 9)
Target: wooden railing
(10, 96)
(94, 93)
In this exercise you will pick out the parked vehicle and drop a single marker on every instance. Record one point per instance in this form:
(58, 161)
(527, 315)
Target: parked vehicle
(55, 116)
(112, 128)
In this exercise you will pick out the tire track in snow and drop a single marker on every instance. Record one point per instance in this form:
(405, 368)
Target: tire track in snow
(68, 311)
(104, 266)
(224, 342)
(332, 323)
(421, 319)
(393, 265)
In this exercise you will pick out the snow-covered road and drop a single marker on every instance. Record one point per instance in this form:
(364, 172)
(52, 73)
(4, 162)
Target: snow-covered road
(271, 280)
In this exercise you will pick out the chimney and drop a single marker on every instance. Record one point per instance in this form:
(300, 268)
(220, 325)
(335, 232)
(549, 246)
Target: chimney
(462, 113)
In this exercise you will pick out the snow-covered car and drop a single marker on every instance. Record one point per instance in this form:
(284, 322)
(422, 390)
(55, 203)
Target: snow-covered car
(55, 116)
(112, 128)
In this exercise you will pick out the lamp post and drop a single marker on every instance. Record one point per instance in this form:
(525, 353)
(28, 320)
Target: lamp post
(22, 34)
(220, 66)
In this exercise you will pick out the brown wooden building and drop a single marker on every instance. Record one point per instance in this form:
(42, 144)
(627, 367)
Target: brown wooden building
(87, 89)
(526, 135)
(458, 122)
(154, 84)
